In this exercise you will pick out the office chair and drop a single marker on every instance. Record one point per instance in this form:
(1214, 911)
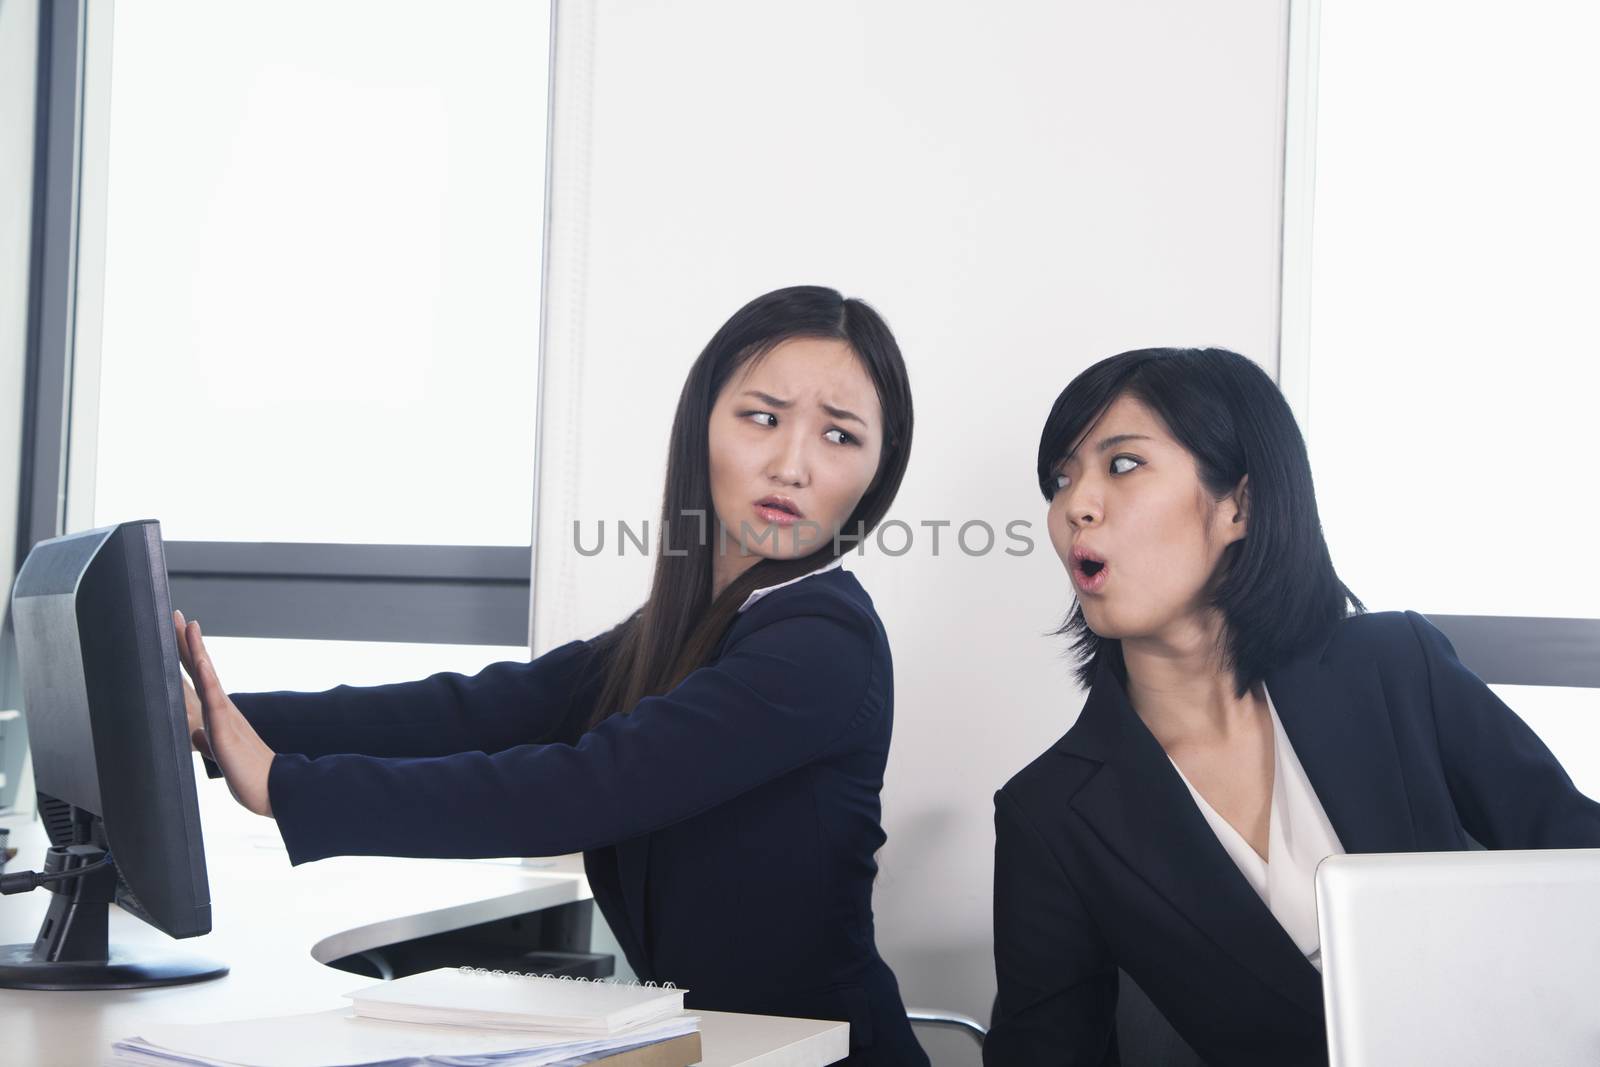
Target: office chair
(948, 1020)
(1144, 1036)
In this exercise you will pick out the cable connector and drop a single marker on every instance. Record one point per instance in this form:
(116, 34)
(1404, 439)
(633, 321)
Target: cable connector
(27, 881)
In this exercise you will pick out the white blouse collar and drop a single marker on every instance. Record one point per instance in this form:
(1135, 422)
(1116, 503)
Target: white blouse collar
(837, 561)
(1299, 836)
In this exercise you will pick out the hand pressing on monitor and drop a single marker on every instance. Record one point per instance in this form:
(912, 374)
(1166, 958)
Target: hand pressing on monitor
(191, 703)
(234, 744)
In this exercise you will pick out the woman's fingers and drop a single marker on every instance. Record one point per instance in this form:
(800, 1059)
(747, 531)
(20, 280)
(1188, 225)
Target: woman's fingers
(204, 674)
(182, 627)
(192, 708)
(245, 759)
(216, 709)
(212, 716)
(195, 696)
(197, 719)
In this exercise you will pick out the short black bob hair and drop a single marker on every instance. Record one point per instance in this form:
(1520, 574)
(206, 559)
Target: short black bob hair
(1276, 586)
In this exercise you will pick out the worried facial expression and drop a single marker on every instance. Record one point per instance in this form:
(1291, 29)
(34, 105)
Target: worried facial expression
(1136, 529)
(794, 445)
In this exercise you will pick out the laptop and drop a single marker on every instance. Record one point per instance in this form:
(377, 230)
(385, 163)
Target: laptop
(1461, 957)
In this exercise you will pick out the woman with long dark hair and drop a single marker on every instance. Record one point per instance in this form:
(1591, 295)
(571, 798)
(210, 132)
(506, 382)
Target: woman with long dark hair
(1245, 719)
(718, 755)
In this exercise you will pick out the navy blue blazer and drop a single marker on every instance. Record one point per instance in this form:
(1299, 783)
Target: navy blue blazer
(1103, 860)
(728, 827)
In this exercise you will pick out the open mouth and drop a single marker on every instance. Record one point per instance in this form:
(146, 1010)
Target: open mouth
(1088, 570)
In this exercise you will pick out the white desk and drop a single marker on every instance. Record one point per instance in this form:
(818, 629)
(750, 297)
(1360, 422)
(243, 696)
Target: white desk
(276, 926)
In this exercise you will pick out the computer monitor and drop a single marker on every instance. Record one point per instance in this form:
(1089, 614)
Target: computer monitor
(1461, 957)
(111, 761)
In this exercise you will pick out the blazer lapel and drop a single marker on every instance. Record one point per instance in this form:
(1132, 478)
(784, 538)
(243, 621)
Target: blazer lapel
(1140, 808)
(1338, 724)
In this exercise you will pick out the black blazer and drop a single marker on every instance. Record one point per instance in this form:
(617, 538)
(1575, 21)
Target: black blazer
(1103, 860)
(728, 827)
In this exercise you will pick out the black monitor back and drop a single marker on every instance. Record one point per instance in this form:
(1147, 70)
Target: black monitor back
(101, 690)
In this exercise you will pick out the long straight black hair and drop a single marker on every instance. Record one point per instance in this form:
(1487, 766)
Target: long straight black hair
(1276, 586)
(678, 628)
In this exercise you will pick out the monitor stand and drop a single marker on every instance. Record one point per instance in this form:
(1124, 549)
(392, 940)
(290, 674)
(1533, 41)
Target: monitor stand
(72, 951)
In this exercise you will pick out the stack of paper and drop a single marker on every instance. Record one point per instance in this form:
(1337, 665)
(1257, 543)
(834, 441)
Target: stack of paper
(342, 1039)
(450, 1018)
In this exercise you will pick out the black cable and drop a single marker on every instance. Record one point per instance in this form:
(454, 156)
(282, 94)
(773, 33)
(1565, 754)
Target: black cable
(26, 881)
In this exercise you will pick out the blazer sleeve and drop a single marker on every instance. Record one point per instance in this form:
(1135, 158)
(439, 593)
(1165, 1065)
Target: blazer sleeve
(782, 695)
(1056, 997)
(1508, 788)
(504, 704)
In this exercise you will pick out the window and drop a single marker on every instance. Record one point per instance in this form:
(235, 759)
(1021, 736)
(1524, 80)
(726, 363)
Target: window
(1451, 359)
(318, 315)
(289, 304)
(322, 271)
(1454, 356)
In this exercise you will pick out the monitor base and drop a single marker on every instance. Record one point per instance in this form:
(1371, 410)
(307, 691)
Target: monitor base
(128, 968)
(72, 950)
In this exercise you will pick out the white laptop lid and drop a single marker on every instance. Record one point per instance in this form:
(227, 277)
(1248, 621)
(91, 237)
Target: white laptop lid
(1461, 957)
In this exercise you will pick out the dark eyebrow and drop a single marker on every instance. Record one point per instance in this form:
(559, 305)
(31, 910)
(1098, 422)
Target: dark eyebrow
(1117, 439)
(841, 413)
(767, 398)
(838, 413)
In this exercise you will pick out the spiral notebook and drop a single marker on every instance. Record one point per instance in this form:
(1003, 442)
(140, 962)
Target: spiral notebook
(509, 1000)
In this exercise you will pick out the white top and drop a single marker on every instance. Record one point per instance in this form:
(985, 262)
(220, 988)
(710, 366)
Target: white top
(1299, 837)
(837, 561)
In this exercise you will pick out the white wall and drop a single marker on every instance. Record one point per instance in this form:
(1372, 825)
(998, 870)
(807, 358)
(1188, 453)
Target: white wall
(1021, 189)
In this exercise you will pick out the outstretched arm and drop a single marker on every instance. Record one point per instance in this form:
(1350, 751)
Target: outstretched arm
(782, 695)
(504, 704)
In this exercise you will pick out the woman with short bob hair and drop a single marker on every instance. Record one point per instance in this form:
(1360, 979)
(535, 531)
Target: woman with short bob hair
(1246, 718)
